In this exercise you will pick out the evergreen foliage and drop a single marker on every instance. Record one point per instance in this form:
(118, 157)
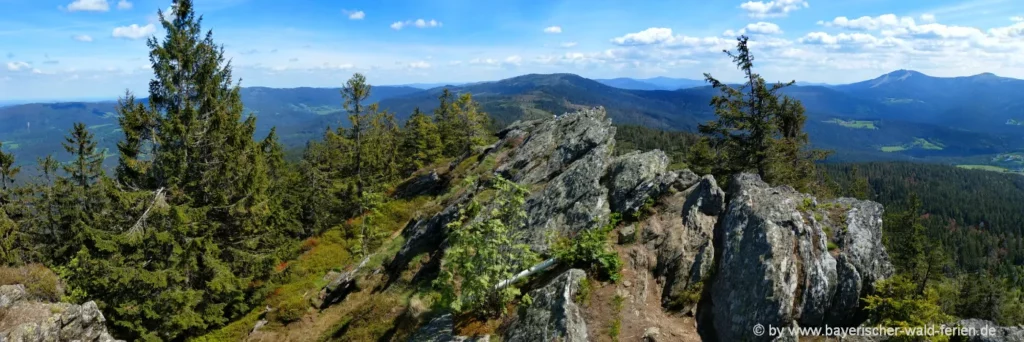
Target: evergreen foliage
(757, 130)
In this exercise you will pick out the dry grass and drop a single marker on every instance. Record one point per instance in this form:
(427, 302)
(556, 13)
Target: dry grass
(39, 281)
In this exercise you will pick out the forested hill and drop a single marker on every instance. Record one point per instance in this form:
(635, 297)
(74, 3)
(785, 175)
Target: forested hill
(900, 116)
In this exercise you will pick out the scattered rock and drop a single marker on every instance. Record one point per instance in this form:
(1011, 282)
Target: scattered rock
(651, 334)
(30, 321)
(427, 183)
(553, 316)
(627, 234)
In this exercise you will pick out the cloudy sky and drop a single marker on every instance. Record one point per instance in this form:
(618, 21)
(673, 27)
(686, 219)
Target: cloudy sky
(87, 49)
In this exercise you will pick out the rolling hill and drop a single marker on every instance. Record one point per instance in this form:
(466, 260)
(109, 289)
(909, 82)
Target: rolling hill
(655, 83)
(900, 115)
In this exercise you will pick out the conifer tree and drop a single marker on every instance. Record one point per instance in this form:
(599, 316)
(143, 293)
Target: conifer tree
(7, 173)
(421, 142)
(137, 123)
(471, 125)
(87, 166)
(445, 116)
(356, 91)
(757, 129)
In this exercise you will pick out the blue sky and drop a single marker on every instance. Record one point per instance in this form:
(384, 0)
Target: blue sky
(75, 49)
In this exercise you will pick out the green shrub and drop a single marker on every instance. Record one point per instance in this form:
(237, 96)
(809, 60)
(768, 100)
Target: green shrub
(485, 252)
(289, 310)
(590, 250)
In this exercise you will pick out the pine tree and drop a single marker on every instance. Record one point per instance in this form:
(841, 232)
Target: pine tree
(137, 123)
(471, 125)
(421, 142)
(7, 173)
(445, 116)
(87, 166)
(757, 129)
(356, 91)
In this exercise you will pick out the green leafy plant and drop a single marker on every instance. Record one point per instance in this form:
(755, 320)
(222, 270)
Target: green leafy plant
(591, 250)
(485, 249)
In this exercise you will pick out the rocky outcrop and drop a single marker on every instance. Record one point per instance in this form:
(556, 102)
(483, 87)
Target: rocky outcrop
(566, 157)
(778, 259)
(987, 331)
(553, 315)
(635, 178)
(682, 235)
(752, 254)
(23, 319)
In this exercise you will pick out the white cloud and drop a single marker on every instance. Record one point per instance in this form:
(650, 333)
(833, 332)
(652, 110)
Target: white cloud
(124, 5)
(89, 6)
(483, 61)
(17, 66)
(1017, 19)
(134, 31)
(775, 8)
(653, 35)
(553, 29)
(419, 65)
(419, 23)
(756, 28)
(891, 25)
(928, 18)
(82, 38)
(568, 44)
(355, 15)
(514, 60)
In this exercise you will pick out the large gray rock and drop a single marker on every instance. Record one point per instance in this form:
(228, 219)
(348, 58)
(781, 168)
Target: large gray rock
(24, 320)
(553, 316)
(681, 233)
(633, 178)
(778, 263)
(988, 331)
(565, 158)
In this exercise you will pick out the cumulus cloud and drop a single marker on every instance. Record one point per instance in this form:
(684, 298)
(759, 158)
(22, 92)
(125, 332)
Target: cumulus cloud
(355, 15)
(418, 23)
(755, 28)
(775, 8)
(124, 5)
(568, 44)
(18, 66)
(663, 37)
(88, 6)
(653, 35)
(134, 31)
(1017, 19)
(553, 29)
(892, 25)
(82, 38)
(928, 18)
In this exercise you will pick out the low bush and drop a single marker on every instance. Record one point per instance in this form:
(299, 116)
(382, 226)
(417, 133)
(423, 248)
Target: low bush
(39, 281)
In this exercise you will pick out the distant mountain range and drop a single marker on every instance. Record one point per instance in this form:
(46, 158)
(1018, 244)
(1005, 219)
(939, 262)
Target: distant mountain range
(656, 83)
(899, 115)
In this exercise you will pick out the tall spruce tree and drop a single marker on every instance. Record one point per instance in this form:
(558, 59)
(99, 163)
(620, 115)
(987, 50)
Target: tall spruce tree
(198, 216)
(87, 166)
(7, 173)
(757, 129)
(355, 92)
(421, 142)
